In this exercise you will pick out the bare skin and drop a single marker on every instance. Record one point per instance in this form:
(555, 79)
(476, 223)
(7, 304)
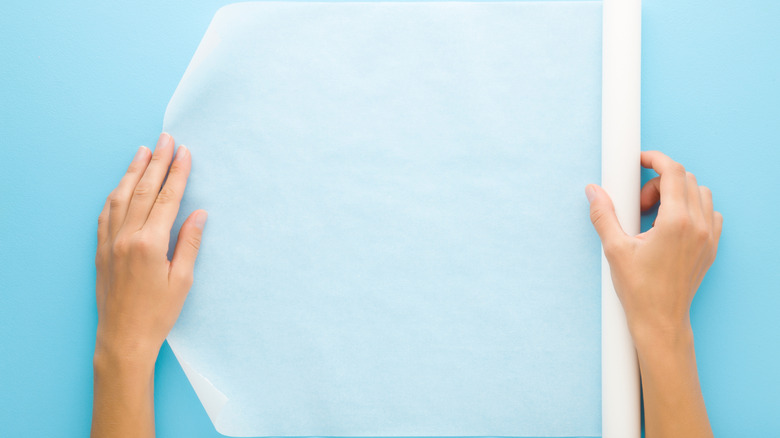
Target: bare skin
(656, 275)
(140, 292)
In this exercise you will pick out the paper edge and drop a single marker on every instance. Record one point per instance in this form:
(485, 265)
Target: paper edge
(208, 42)
(212, 399)
(621, 178)
(621, 72)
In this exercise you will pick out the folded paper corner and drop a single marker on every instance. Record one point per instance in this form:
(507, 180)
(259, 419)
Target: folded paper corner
(213, 399)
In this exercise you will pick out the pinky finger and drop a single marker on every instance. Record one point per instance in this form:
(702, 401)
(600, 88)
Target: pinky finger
(102, 229)
(706, 205)
(718, 225)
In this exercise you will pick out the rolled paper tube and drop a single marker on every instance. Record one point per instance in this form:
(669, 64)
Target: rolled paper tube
(620, 136)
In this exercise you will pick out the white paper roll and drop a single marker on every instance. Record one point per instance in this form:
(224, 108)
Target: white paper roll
(621, 59)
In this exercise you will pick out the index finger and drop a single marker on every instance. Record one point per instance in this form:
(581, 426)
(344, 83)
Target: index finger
(672, 173)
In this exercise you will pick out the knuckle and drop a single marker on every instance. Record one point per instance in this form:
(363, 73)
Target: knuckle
(615, 250)
(143, 190)
(167, 195)
(136, 167)
(702, 233)
(679, 169)
(145, 243)
(138, 244)
(682, 222)
(194, 242)
(158, 158)
(120, 247)
(183, 277)
(610, 248)
(115, 200)
(597, 216)
(176, 168)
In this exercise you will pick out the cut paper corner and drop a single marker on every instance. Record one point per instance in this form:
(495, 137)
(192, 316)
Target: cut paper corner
(213, 399)
(210, 41)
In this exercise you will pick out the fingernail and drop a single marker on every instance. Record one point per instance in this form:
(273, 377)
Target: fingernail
(590, 192)
(141, 154)
(164, 140)
(200, 219)
(181, 153)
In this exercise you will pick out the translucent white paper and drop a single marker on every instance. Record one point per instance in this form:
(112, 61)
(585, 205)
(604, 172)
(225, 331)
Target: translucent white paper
(398, 241)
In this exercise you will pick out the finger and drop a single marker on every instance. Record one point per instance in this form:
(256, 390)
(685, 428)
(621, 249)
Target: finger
(148, 187)
(694, 198)
(717, 225)
(102, 231)
(186, 251)
(706, 205)
(120, 197)
(604, 219)
(650, 194)
(672, 185)
(166, 207)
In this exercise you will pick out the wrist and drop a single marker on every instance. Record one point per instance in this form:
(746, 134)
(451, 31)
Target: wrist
(106, 362)
(666, 338)
(123, 401)
(115, 353)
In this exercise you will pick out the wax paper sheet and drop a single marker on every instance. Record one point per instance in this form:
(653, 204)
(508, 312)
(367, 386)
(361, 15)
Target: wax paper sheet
(398, 241)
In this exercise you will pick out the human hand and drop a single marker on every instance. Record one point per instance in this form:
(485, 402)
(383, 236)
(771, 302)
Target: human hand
(140, 292)
(656, 273)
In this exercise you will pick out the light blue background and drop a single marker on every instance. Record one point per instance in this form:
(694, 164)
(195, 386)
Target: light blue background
(83, 84)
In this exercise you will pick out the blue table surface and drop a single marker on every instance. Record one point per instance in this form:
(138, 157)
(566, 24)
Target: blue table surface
(84, 83)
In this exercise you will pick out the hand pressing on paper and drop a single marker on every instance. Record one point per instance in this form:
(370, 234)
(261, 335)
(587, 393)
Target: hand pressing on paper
(140, 292)
(656, 275)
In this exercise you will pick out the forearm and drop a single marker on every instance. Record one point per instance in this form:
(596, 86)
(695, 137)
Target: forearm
(656, 275)
(139, 291)
(123, 402)
(673, 402)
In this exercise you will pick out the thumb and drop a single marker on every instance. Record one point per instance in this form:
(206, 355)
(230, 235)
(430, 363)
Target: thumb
(187, 246)
(602, 214)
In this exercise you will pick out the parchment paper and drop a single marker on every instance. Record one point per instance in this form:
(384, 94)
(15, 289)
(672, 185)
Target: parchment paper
(398, 241)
